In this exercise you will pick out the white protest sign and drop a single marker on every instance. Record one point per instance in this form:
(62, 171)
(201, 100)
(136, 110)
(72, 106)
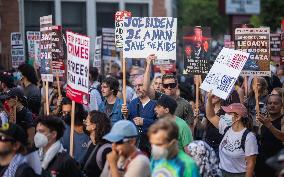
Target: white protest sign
(78, 55)
(224, 72)
(33, 38)
(149, 35)
(119, 16)
(17, 49)
(98, 53)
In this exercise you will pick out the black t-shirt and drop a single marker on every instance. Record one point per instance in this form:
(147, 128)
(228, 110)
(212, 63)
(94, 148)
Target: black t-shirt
(24, 119)
(92, 169)
(62, 165)
(109, 108)
(32, 92)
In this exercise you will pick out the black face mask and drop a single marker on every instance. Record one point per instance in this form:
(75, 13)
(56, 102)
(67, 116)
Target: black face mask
(4, 153)
(67, 119)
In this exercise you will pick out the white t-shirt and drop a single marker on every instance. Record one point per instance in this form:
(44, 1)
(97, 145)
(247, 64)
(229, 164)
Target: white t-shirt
(232, 156)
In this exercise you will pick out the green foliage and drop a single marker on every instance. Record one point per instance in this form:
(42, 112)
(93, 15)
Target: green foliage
(202, 13)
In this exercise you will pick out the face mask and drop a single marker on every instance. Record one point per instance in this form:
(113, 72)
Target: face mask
(67, 119)
(40, 140)
(159, 152)
(228, 119)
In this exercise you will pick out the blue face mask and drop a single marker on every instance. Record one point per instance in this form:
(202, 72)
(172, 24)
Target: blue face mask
(228, 119)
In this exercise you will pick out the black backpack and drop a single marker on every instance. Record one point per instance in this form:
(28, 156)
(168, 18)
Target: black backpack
(244, 137)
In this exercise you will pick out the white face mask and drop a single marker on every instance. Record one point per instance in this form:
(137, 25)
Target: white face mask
(40, 140)
(228, 119)
(159, 152)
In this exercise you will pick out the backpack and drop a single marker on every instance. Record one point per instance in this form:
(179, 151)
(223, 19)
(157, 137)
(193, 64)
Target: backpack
(244, 137)
(26, 170)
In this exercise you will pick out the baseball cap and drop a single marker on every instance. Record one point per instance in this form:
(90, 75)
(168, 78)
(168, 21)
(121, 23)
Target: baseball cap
(7, 78)
(238, 108)
(121, 130)
(10, 130)
(13, 92)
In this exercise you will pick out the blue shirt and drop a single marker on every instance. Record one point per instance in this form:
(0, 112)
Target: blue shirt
(81, 141)
(116, 114)
(147, 112)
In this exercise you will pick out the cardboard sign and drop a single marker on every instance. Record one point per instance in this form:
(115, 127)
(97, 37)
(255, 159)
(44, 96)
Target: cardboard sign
(33, 40)
(169, 66)
(119, 17)
(45, 48)
(17, 49)
(78, 57)
(149, 35)
(197, 48)
(110, 55)
(58, 55)
(98, 53)
(255, 41)
(224, 72)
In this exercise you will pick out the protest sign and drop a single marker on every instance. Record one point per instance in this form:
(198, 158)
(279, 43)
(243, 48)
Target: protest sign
(255, 41)
(228, 43)
(110, 55)
(17, 49)
(168, 66)
(97, 63)
(119, 17)
(282, 49)
(33, 40)
(149, 35)
(224, 72)
(58, 56)
(197, 48)
(275, 40)
(78, 54)
(45, 48)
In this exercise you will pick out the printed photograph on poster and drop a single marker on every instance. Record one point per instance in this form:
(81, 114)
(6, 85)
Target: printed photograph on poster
(282, 49)
(119, 17)
(256, 42)
(275, 43)
(45, 48)
(167, 66)
(58, 54)
(196, 50)
(224, 72)
(109, 52)
(33, 40)
(78, 57)
(147, 35)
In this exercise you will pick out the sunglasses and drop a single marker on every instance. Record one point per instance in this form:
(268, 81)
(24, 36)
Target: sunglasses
(6, 139)
(171, 85)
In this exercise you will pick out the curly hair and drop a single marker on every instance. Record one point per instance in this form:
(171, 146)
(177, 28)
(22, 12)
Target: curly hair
(103, 125)
(113, 84)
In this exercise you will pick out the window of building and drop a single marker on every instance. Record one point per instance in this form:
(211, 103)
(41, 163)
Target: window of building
(34, 10)
(105, 15)
(74, 16)
(138, 9)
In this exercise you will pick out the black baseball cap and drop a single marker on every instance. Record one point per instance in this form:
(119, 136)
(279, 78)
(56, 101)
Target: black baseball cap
(8, 79)
(13, 132)
(12, 93)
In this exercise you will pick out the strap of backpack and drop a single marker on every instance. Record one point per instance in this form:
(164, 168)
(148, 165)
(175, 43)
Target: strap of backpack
(91, 155)
(226, 129)
(243, 141)
(100, 154)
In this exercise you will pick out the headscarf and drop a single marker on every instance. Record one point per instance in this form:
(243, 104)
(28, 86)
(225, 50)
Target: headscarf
(205, 159)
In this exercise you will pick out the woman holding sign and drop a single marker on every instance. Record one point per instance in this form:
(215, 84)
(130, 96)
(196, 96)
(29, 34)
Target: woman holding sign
(238, 148)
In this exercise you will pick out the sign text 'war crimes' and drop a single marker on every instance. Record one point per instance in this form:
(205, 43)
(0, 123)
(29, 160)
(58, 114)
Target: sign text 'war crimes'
(78, 47)
(147, 35)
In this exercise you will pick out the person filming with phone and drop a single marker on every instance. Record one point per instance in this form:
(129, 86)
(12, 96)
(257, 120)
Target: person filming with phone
(271, 134)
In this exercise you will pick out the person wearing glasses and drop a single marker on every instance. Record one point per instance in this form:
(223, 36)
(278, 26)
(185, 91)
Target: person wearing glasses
(125, 160)
(13, 141)
(141, 112)
(170, 87)
(271, 134)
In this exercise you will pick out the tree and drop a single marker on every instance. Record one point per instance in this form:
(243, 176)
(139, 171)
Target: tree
(202, 13)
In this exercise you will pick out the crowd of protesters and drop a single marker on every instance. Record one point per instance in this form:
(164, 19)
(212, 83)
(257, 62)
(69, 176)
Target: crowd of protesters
(159, 132)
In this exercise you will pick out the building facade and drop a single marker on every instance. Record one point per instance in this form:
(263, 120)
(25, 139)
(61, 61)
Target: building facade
(83, 16)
